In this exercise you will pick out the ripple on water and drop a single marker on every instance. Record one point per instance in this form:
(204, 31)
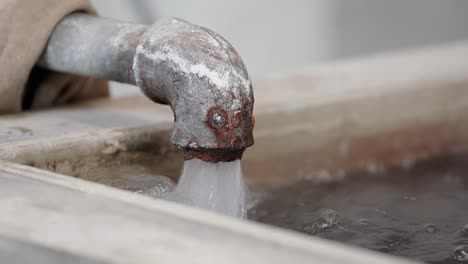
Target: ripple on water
(362, 222)
(431, 229)
(460, 253)
(369, 211)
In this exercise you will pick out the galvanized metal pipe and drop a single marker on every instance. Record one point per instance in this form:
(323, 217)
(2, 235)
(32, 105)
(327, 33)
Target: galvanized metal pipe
(93, 46)
(194, 70)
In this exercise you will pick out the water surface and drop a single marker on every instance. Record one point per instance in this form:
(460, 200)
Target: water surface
(419, 212)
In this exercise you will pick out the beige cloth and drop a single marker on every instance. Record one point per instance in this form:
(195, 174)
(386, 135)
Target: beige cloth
(25, 26)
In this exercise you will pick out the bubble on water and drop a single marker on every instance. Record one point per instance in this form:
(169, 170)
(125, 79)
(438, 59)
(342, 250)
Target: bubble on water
(218, 187)
(362, 222)
(431, 229)
(460, 253)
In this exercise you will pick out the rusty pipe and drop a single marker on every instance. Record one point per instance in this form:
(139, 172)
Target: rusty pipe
(194, 70)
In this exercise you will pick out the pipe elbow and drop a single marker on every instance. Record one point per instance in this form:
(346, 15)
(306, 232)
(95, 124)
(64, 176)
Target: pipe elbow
(200, 75)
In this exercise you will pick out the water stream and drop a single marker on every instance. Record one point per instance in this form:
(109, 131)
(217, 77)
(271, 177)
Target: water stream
(218, 187)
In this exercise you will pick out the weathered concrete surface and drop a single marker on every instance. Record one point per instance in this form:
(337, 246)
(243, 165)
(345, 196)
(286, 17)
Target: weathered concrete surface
(109, 225)
(14, 251)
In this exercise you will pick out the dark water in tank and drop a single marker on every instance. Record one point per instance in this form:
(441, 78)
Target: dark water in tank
(419, 213)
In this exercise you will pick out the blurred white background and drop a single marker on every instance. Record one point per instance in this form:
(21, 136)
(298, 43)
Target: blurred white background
(275, 35)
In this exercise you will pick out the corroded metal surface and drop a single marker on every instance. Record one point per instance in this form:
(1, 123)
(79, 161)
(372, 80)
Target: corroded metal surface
(205, 81)
(194, 70)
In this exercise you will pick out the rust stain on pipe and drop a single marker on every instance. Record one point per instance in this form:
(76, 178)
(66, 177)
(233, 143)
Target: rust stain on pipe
(203, 79)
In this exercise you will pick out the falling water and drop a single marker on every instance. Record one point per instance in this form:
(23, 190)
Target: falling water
(218, 187)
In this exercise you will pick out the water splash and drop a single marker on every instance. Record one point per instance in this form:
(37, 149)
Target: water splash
(328, 219)
(218, 187)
